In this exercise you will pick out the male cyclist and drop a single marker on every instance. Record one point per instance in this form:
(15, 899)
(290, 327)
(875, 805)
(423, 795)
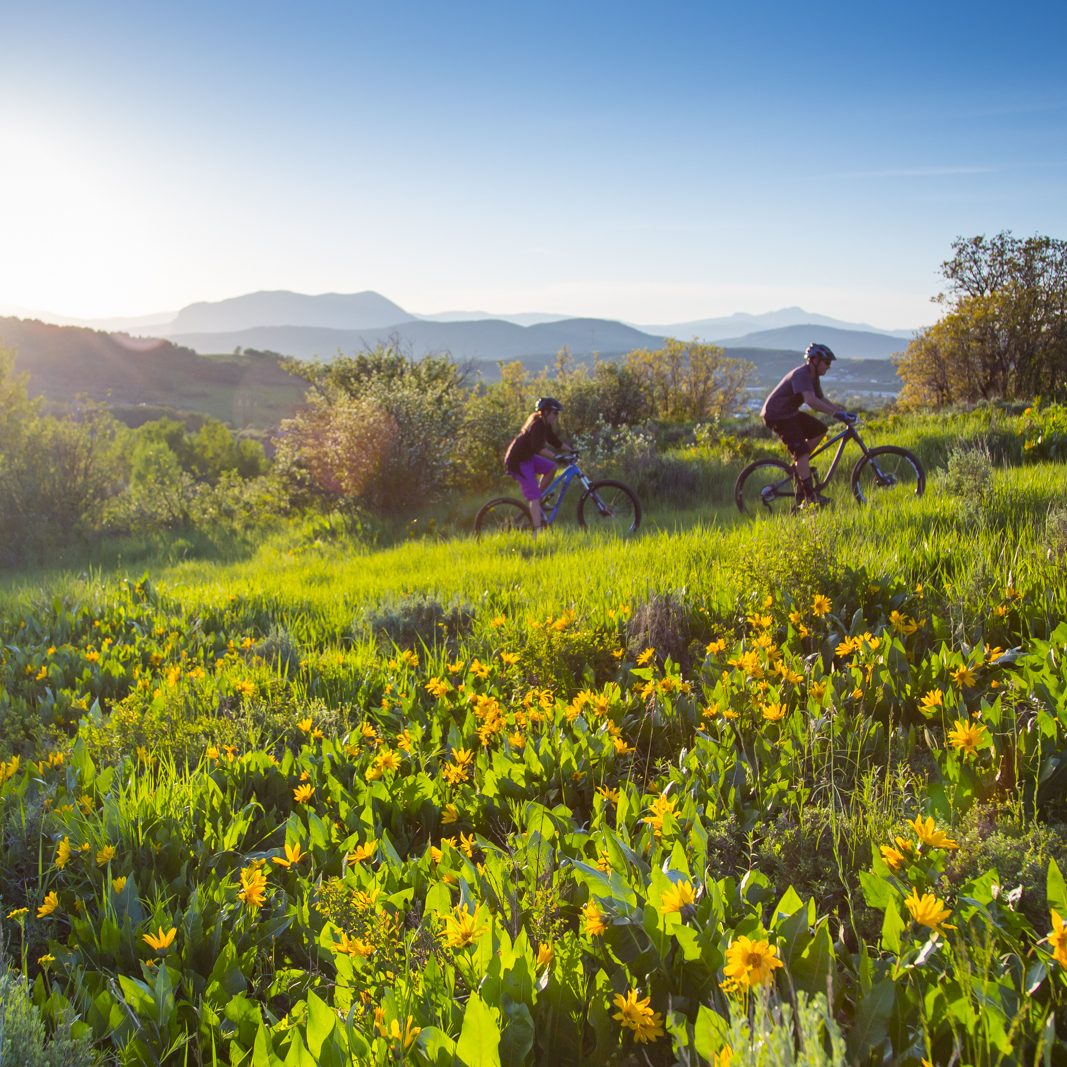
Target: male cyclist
(799, 431)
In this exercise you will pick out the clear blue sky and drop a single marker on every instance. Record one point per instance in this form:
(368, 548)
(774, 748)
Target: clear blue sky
(651, 162)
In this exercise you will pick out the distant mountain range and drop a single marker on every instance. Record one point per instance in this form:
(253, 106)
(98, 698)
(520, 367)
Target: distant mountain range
(223, 358)
(319, 327)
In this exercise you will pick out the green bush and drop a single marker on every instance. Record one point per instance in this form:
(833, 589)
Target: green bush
(24, 1041)
(418, 619)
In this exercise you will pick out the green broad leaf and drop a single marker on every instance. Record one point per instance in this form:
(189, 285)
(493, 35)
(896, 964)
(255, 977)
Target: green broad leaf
(872, 1021)
(227, 973)
(319, 832)
(811, 968)
(517, 1041)
(688, 941)
(892, 927)
(438, 899)
(321, 1023)
(679, 860)
(440, 1049)
(790, 904)
(710, 1032)
(1035, 976)
(878, 892)
(163, 996)
(1056, 890)
(298, 1055)
(138, 996)
(479, 1038)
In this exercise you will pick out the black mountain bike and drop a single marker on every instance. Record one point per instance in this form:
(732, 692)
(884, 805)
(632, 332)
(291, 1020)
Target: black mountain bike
(768, 485)
(604, 505)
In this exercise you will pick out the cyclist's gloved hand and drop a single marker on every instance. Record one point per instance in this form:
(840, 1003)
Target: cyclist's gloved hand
(847, 417)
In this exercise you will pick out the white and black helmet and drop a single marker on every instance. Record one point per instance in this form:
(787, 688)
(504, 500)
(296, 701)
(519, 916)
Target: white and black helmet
(818, 351)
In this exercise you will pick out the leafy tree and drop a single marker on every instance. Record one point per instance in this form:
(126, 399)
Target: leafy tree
(690, 380)
(379, 428)
(55, 474)
(1004, 335)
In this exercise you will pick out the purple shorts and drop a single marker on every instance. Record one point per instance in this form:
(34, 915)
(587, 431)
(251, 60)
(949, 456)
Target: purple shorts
(528, 475)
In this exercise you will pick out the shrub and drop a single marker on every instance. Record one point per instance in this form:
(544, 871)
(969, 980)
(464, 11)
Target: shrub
(661, 622)
(1019, 852)
(418, 619)
(1056, 532)
(663, 478)
(970, 473)
(23, 1039)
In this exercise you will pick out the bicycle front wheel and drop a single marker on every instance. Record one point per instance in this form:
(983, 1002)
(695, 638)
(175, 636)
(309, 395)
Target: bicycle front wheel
(609, 506)
(888, 467)
(764, 487)
(501, 515)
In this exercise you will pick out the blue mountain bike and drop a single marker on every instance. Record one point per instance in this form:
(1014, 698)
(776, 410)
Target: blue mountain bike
(604, 505)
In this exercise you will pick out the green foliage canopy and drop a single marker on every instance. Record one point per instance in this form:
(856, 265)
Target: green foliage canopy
(1005, 333)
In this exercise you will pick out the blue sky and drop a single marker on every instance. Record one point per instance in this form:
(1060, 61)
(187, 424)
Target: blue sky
(654, 163)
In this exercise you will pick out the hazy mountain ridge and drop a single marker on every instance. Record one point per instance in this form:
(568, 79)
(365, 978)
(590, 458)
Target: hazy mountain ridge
(853, 344)
(481, 339)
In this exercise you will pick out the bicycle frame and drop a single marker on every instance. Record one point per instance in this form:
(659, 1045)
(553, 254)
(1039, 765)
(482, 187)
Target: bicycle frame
(561, 483)
(840, 439)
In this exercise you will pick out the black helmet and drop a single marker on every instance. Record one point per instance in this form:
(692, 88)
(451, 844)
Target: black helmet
(817, 351)
(548, 403)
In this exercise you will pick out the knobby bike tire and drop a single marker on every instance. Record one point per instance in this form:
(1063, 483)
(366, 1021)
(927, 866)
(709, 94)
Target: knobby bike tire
(622, 509)
(501, 515)
(765, 474)
(887, 467)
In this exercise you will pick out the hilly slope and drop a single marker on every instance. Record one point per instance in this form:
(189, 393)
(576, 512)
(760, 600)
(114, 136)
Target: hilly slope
(65, 362)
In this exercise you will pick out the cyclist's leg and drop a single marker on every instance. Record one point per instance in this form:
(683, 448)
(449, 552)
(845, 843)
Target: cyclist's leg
(527, 476)
(800, 433)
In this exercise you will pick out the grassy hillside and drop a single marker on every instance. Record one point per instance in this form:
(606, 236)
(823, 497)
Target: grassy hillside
(65, 362)
(556, 801)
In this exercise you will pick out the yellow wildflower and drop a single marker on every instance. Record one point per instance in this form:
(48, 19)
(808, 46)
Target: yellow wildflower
(253, 886)
(293, 854)
(750, 963)
(51, 904)
(928, 910)
(1057, 939)
(967, 737)
(637, 1015)
(928, 835)
(462, 928)
(161, 940)
(593, 919)
(680, 895)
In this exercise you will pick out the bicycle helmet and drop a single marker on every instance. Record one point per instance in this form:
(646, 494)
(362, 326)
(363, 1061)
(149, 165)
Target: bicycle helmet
(817, 351)
(548, 403)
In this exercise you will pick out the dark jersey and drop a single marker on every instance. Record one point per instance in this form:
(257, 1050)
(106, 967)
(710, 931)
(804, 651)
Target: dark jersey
(787, 396)
(531, 439)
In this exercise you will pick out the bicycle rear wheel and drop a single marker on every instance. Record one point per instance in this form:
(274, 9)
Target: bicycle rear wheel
(764, 487)
(888, 467)
(501, 515)
(609, 506)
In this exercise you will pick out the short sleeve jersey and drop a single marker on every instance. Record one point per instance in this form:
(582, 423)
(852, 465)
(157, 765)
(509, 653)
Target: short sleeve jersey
(787, 396)
(531, 439)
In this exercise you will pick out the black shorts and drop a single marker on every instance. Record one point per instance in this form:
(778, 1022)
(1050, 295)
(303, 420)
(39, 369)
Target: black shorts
(797, 430)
